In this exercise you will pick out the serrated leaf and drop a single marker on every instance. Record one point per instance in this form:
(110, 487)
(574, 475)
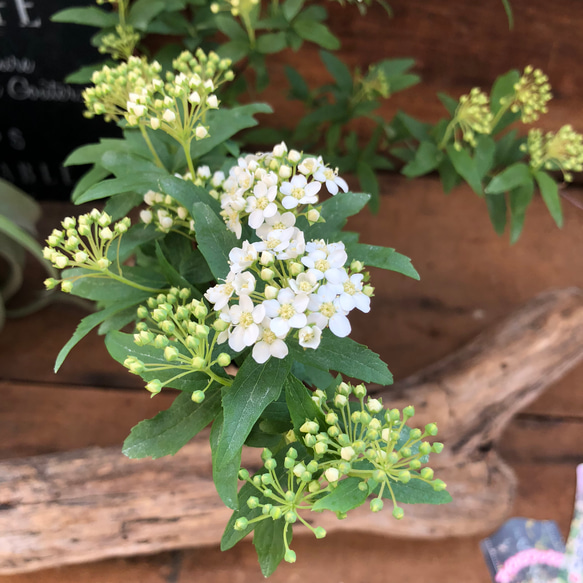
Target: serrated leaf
(268, 540)
(172, 429)
(335, 212)
(549, 190)
(510, 178)
(255, 386)
(225, 476)
(382, 257)
(338, 70)
(299, 402)
(466, 167)
(225, 123)
(346, 496)
(497, 211)
(88, 15)
(363, 364)
(92, 321)
(315, 32)
(215, 241)
(417, 492)
(427, 158)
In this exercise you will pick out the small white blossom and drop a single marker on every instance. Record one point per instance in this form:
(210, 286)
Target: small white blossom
(243, 257)
(331, 179)
(268, 345)
(287, 311)
(245, 318)
(260, 204)
(309, 336)
(299, 191)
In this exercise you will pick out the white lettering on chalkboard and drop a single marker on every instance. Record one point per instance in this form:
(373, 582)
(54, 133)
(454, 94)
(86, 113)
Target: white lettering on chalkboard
(13, 64)
(21, 89)
(24, 18)
(28, 173)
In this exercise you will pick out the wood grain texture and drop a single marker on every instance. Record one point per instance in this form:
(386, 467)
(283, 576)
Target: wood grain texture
(94, 503)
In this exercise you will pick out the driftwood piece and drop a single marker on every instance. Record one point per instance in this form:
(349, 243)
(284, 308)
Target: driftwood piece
(94, 503)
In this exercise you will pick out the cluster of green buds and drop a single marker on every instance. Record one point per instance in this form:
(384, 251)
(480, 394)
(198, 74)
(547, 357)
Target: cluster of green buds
(121, 43)
(113, 86)
(473, 116)
(372, 85)
(531, 95)
(167, 214)
(177, 325)
(84, 242)
(351, 439)
(562, 150)
(236, 7)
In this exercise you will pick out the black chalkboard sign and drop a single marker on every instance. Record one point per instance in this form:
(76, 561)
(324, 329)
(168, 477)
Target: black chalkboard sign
(41, 119)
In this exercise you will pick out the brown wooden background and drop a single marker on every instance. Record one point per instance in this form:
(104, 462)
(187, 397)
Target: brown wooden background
(470, 279)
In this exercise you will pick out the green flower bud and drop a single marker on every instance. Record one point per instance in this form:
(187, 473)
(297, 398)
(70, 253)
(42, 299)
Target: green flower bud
(168, 327)
(319, 532)
(409, 411)
(267, 509)
(270, 464)
(243, 474)
(376, 504)
(154, 386)
(220, 325)
(437, 447)
(290, 517)
(306, 476)
(431, 429)
(289, 463)
(198, 396)
(291, 452)
(439, 485)
(198, 363)
(310, 440)
(415, 433)
(51, 283)
(312, 466)
(314, 486)
(299, 469)
(67, 286)
(398, 513)
(404, 476)
(290, 556)
(310, 427)
(374, 405)
(344, 467)
(360, 391)
(331, 418)
(344, 440)
(241, 523)
(427, 473)
(171, 353)
(321, 448)
(224, 359)
(266, 479)
(344, 389)
(333, 431)
(253, 502)
(161, 341)
(275, 513)
(425, 448)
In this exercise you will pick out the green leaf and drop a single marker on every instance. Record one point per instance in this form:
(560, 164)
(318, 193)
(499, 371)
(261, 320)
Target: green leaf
(508, 149)
(520, 198)
(466, 167)
(255, 386)
(90, 16)
(332, 353)
(312, 376)
(335, 211)
(299, 401)
(187, 193)
(509, 15)
(134, 182)
(234, 50)
(497, 210)
(92, 321)
(338, 70)
(448, 102)
(91, 177)
(172, 275)
(19, 235)
(142, 12)
(383, 258)
(315, 32)
(172, 429)
(215, 241)
(121, 346)
(225, 123)
(427, 158)
(225, 476)
(369, 183)
(346, 496)
(509, 178)
(484, 155)
(448, 175)
(230, 27)
(83, 75)
(272, 42)
(268, 540)
(550, 192)
(291, 8)
(415, 128)
(299, 88)
(118, 163)
(417, 492)
(503, 87)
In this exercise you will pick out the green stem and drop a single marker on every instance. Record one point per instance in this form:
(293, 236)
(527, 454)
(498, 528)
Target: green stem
(249, 28)
(151, 146)
(447, 134)
(125, 281)
(186, 148)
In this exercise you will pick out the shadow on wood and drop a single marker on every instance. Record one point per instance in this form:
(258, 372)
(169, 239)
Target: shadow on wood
(94, 503)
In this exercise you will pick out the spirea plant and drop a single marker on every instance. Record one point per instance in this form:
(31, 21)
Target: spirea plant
(234, 284)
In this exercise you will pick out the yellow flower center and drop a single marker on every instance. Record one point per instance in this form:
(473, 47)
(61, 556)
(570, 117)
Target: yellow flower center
(322, 265)
(286, 311)
(246, 319)
(349, 287)
(327, 309)
(297, 193)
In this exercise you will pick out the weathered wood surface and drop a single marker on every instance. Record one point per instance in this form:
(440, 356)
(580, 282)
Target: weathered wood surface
(457, 46)
(93, 503)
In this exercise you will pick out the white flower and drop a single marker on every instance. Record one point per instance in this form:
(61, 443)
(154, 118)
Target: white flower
(287, 311)
(326, 261)
(279, 150)
(146, 216)
(350, 293)
(296, 246)
(326, 311)
(310, 336)
(242, 258)
(298, 191)
(331, 179)
(304, 283)
(203, 172)
(276, 222)
(310, 165)
(276, 241)
(268, 345)
(245, 317)
(220, 294)
(233, 221)
(260, 204)
(200, 132)
(218, 179)
(244, 283)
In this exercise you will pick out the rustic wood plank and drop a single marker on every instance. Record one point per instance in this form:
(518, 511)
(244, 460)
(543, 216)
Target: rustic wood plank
(456, 49)
(93, 503)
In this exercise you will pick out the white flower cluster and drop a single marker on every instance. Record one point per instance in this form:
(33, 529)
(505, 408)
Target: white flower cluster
(282, 287)
(261, 185)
